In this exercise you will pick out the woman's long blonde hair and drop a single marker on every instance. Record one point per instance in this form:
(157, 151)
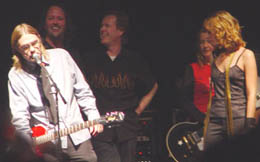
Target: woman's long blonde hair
(17, 33)
(226, 29)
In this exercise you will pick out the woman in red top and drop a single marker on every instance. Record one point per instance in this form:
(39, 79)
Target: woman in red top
(195, 89)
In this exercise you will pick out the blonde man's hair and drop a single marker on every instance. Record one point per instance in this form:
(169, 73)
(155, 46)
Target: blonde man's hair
(17, 33)
(226, 29)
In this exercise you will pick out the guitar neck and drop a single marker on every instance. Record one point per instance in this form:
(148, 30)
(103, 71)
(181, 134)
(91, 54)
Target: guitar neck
(64, 132)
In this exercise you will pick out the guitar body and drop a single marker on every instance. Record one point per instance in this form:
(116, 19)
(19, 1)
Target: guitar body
(184, 142)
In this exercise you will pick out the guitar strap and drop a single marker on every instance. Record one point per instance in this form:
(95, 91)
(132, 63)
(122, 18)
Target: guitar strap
(47, 89)
(230, 129)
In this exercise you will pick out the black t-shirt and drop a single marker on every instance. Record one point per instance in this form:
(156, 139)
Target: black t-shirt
(118, 86)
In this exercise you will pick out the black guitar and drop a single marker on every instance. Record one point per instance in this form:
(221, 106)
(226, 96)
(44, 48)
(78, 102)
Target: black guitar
(184, 142)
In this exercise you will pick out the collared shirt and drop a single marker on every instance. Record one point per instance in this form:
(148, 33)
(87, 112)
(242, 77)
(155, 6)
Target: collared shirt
(26, 103)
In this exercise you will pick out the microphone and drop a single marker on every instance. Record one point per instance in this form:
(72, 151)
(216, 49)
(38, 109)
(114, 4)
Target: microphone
(257, 96)
(37, 58)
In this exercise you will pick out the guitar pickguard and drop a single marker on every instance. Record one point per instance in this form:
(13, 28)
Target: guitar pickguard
(184, 141)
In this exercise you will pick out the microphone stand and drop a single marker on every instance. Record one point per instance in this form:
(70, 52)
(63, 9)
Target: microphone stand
(57, 92)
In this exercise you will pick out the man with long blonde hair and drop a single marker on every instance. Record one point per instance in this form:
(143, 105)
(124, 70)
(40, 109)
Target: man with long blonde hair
(31, 107)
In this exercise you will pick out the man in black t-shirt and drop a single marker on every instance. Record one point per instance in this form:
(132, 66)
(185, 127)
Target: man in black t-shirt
(115, 74)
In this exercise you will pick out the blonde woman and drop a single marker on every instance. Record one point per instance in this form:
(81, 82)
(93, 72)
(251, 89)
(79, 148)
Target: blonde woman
(234, 79)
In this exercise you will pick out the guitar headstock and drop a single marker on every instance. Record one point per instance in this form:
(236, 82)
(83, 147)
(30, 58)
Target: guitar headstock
(112, 118)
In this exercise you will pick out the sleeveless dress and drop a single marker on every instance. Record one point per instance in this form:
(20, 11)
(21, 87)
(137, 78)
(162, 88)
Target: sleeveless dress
(237, 90)
(217, 126)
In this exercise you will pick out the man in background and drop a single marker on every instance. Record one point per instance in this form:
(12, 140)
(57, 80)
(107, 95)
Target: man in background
(115, 75)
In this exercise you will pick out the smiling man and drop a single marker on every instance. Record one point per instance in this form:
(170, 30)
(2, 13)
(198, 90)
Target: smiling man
(115, 75)
(58, 31)
(55, 26)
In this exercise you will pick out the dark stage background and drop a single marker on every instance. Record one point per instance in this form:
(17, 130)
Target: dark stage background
(164, 31)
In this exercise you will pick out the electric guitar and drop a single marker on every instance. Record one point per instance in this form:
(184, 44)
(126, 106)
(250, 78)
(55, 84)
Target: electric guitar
(184, 141)
(40, 135)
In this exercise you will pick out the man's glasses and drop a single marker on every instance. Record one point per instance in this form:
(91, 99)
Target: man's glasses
(26, 47)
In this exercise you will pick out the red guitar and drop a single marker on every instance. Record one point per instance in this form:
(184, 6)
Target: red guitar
(41, 136)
